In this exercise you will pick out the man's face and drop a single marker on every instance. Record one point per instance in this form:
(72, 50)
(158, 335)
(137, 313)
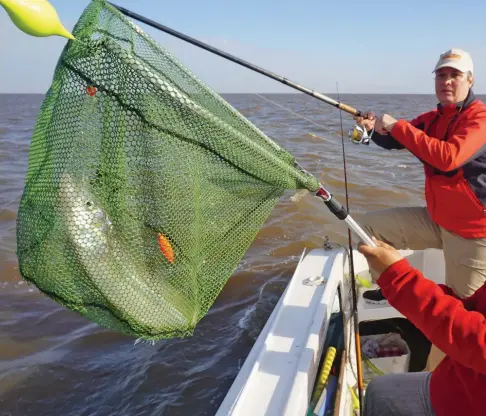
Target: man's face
(451, 85)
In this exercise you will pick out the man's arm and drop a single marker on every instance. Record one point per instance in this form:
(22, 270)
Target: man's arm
(467, 141)
(387, 141)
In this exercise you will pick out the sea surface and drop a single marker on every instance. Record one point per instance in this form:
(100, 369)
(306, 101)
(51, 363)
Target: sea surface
(55, 362)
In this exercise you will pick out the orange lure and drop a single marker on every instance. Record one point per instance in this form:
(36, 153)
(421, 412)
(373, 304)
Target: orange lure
(166, 248)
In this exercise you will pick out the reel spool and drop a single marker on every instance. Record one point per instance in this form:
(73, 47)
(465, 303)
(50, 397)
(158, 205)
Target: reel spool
(359, 135)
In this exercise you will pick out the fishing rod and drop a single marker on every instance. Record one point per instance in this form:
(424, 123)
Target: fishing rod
(239, 61)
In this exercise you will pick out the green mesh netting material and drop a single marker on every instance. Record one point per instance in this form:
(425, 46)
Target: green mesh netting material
(144, 188)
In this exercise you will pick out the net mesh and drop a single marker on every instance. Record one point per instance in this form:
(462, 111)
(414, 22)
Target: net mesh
(144, 187)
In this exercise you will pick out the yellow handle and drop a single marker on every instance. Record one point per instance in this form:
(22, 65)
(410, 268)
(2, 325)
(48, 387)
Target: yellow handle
(323, 376)
(35, 17)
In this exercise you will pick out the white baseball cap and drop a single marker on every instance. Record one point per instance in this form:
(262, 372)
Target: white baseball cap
(456, 58)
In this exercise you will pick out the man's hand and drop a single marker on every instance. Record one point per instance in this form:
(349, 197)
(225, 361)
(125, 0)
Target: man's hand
(384, 124)
(381, 257)
(367, 121)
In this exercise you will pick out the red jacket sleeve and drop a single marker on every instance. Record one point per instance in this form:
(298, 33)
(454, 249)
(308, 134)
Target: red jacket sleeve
(467, 139)
(443, 319)
(388, 142)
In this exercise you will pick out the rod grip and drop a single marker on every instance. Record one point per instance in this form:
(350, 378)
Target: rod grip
(349, 109)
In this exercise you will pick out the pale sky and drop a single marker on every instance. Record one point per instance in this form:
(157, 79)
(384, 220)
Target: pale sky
(365, 47)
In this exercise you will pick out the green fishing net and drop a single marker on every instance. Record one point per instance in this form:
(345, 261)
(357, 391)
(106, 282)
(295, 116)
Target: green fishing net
(144, 187)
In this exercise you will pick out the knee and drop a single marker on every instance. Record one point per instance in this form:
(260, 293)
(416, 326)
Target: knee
(373, 388)
(373, 396)
(385, 225)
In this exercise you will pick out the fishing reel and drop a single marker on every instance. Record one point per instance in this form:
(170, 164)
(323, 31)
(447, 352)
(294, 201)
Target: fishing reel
(359, 135)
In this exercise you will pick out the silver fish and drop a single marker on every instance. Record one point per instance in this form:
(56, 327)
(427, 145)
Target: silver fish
(119, 278)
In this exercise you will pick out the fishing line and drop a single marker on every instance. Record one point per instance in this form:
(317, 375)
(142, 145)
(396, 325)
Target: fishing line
(352, 278)
(297, 114)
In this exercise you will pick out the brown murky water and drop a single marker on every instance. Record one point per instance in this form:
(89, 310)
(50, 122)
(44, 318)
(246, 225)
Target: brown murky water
(54, 362)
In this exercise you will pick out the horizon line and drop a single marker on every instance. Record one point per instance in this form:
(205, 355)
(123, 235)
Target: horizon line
(273, 93)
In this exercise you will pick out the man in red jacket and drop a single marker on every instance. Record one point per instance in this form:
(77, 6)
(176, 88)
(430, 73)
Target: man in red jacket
(457, 326)
(450, 141)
